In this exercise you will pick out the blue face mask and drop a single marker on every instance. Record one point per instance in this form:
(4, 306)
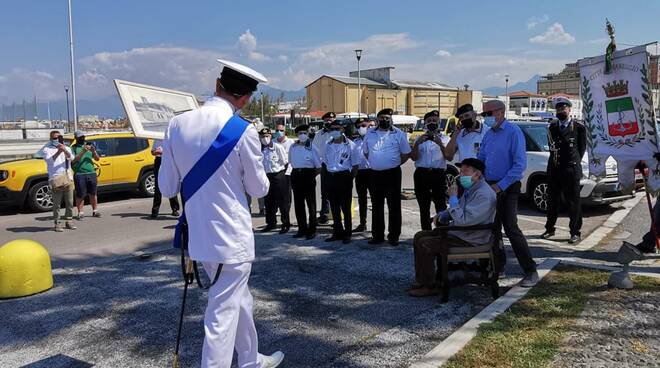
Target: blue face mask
(465, 181)
(490, 121)
(334, 134)
(278, 134)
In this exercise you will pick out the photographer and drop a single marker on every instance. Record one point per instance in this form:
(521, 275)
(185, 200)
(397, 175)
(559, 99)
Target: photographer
(430, 181)
(85, 174)
(58, 157)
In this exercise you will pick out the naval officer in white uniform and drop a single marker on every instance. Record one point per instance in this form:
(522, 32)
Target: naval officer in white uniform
(220, 226)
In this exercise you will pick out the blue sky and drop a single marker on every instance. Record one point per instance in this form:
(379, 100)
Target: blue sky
(175, 43)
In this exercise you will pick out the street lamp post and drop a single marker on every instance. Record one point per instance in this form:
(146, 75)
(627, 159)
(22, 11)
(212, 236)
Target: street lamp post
(358, 55)
(506, 88)
(73, 71)
(68, 117)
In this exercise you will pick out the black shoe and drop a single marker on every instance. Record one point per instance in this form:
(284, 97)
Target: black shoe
(154, 215)
(299, 235)
(262, 213)
(376, 241)
(547, 235)
(346, 240)
(175, 213)
(310, 236)
(268, 228)
(331, 239)
(285, 229)
(574, 239)
(393, 242)
(323, 219)
(360, 228)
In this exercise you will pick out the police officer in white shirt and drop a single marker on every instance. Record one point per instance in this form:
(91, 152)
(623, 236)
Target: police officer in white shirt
(430, 180)
(363, 177)
(220, 226)
(342, 160)
(386, 148)
(279, 137)
(275, 163)
(305, 165)
(157, 151)
(319, 144)
(466, 140)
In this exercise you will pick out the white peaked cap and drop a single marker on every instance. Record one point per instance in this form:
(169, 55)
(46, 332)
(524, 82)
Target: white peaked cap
(244, 70)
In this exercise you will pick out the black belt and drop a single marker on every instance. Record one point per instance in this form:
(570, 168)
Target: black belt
(386, 170)
(338, 173)
(304, 169)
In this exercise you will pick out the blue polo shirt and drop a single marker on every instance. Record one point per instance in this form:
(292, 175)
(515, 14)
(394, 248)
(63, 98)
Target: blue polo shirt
(503, 150)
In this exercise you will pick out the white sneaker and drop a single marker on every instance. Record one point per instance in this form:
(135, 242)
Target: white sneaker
(272, 361)
(530, 280)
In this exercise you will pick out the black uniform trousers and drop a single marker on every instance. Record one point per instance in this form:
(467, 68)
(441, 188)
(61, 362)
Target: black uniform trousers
(430, 185)
(325, 188)
(566, 181)
(303, 183)
(362, 187)
(507, 216)
(278, 198)
(174, 202)
(386, 184)
(341, 196)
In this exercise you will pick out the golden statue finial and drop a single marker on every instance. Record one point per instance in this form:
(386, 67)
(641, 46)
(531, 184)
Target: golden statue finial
(611, 48)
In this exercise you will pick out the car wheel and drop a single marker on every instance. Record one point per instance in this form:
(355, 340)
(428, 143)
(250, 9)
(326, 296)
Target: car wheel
(40, 197)
(539, 195)
(148, 184)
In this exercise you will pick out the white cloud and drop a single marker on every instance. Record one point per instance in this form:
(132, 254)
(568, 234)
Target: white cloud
(554, 35)
(535, 21)
(283, 58)
(443, 53)
(247, 46)
(21, 83)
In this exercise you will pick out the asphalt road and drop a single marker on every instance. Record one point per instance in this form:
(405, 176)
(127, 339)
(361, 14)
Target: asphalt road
(323, 304)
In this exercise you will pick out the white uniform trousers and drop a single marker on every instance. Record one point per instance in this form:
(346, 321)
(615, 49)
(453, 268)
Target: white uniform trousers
(228, 322)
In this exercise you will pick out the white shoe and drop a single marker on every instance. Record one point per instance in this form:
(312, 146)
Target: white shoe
(272, 361)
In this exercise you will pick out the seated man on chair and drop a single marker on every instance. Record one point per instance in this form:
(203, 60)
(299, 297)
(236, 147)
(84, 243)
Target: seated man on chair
(476, 206)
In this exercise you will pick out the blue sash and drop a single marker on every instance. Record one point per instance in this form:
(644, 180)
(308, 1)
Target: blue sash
(207, 165)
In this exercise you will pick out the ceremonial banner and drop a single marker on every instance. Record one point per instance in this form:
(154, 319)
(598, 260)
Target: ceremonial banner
(619, 115)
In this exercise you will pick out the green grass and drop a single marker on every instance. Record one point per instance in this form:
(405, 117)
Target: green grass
(530, 333)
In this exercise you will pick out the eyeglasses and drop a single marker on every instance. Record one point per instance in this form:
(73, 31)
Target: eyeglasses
(490, 113)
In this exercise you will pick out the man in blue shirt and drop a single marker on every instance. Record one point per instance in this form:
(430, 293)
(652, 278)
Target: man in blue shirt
(504, 153)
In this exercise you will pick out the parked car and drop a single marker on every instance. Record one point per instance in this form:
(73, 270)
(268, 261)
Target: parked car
(535, 183)
(126, 164)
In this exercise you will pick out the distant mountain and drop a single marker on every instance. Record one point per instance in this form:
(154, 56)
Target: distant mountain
(288, 95)
(530, 86)
(109, 107)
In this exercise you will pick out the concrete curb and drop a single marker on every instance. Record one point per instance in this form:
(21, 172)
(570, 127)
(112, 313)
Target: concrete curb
(606, 228)
(456, 341)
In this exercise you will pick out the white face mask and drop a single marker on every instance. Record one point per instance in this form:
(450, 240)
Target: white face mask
(303, 137)
(265, 141)
(363, 130)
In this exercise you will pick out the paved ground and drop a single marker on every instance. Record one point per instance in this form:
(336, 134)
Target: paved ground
(325, 305)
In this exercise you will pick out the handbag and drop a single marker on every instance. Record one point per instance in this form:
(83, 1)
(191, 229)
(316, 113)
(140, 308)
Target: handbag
(61, 181)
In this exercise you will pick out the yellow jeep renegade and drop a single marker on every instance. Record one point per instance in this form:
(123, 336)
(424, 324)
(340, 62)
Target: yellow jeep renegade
(126, 164)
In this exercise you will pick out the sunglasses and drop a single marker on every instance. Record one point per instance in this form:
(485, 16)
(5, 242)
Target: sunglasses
(490, 113)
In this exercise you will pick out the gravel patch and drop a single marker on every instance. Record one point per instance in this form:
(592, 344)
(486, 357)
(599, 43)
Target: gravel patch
(617, 329)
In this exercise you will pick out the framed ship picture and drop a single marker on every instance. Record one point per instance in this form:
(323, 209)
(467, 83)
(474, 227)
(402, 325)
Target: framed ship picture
(149, 109)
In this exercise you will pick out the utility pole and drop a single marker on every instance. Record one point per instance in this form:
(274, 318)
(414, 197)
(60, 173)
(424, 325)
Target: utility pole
(358, 54)
(68, 117)
(262, 108)
(506, 88)
(73, 71)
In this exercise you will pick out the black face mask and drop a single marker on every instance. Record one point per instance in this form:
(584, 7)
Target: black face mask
(80, 141)
(326, 126)
(467, 123)
(562, 116)
(432, 127)
(384, 124)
